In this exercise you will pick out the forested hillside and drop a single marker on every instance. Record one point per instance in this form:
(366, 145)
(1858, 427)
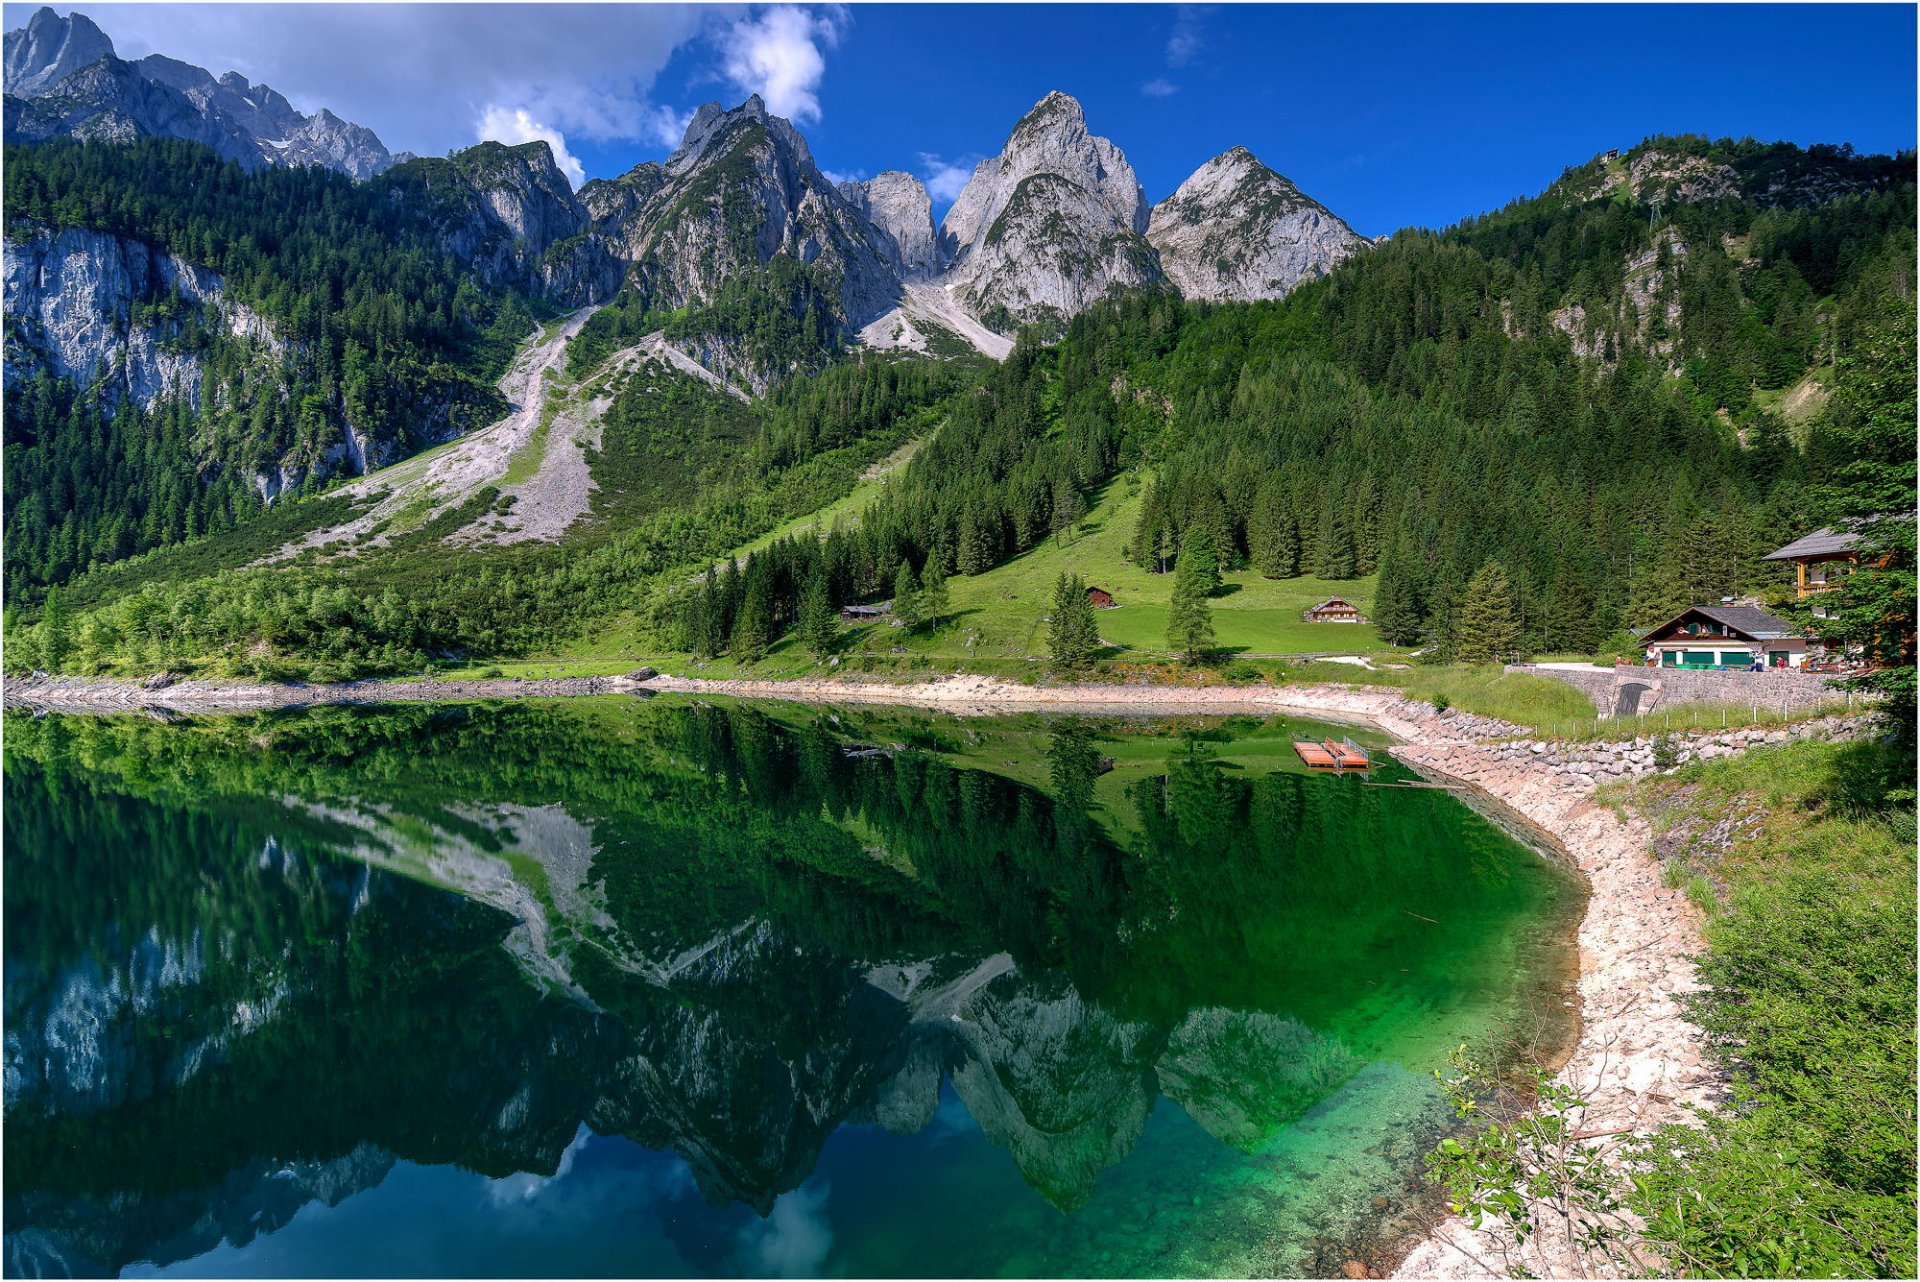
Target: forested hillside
(378, 344)
(1586, 390)
(1424, 412)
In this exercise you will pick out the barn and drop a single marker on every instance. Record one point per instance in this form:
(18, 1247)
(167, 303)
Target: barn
(1101, 599)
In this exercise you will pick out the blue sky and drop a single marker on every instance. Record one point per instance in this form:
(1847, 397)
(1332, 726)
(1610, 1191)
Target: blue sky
(1390, 115)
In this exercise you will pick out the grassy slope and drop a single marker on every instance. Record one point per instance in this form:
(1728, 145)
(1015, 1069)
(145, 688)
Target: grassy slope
(1803, 857)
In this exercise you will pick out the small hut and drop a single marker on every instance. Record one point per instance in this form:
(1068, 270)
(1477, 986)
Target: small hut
(1101, 599)
(1334, 610)
(864, 613)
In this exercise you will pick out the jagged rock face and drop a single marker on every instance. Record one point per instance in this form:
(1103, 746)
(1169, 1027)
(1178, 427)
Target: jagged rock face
(68, 83)
(1687, 179)
(1051, 223)
(1058, 1082)
(742, 188)
(50, 48)
(511, 216)
(896, 205)
(1237, 231)
(71, 300)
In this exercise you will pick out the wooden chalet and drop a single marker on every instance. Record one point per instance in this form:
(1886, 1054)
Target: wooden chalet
(1334, 610)
(1822, 559)
(1724, 636)
(864, 613)
(1101, 599)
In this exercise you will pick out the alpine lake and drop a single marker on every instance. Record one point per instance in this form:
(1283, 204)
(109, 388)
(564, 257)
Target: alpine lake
(677, 987)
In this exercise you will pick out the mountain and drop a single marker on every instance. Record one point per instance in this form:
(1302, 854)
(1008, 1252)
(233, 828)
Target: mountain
(896, 205)
(511, 217)
(49, 49)
(741, 190)
(1237, 231)
(64, 80)
(1052, 223)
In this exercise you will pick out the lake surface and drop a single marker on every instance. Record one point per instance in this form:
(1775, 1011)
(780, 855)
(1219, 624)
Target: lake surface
(623, 987)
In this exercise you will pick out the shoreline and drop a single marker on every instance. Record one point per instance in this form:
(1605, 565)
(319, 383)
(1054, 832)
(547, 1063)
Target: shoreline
(1636, 1058)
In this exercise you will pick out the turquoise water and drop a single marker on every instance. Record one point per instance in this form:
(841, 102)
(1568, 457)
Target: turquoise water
(659, 988)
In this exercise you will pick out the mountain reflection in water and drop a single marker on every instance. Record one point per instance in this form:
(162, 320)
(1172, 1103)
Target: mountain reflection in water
(722, 963)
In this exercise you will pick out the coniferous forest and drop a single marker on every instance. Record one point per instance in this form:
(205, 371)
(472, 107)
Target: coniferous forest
(1586, 389)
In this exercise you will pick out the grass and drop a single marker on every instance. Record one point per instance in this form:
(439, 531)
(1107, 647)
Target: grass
(846, 509)
(1541, 704)
(1002, 614)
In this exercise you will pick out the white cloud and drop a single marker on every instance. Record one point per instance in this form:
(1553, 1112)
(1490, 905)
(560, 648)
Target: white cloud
(791, 1242)
(514, 126)
(835, 177)
(1160, 87)
(944, 178)
(1185, 43)
(779, 55)
(421, 75)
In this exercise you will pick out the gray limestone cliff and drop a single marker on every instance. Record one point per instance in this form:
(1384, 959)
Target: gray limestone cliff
(511, 217)
(97, 308)
(1051, 224)
(742, 189)
(1238, 231)
(897, 207)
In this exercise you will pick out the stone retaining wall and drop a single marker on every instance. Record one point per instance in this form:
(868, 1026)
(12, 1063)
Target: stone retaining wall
(1590, 764)
(1625, 691)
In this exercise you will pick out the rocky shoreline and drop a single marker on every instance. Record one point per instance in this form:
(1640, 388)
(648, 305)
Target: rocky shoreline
(1638, 1060)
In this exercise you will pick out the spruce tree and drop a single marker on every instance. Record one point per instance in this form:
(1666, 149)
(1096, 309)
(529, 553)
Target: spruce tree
(819, 623)
(906, 597)
(54, 640)
(1189, 616)
(1484, 627)
(1334, 557)
(1199, 556)
(1396, 601)
(933, 590)
(753, 622)
(1073, 636)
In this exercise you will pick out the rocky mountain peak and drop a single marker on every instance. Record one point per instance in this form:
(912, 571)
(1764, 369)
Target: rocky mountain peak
(712, 124)
(1056, 111)
(1051, 223)
(897, 206)
(158, 96)
(49, 49)
(1237, 230)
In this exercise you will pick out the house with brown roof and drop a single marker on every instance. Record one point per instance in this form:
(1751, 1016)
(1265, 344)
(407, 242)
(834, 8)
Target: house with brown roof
(1101, 599)
(1334, 610)
(1822, 560)
(1724, 636)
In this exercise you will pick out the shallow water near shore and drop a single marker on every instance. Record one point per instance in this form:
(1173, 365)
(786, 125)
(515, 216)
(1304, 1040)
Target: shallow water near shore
(690, 988)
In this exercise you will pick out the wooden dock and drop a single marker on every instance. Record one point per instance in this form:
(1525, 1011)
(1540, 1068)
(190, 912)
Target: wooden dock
(1332, 754)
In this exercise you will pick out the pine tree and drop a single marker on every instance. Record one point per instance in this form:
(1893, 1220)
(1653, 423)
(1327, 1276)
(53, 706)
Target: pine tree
(1200, 557)
(1273, 539)
(906, 597)
(1333, 559)
(1189, 616)
(1073, 635)
(933, 589)
(819, 624)
(753, 622)
(54, 640)
(1484, 628)
(1396, 601)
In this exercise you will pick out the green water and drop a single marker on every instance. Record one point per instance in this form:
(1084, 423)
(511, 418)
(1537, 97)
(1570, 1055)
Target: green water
(617, 987)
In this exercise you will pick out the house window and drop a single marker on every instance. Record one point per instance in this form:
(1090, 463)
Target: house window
(1735, 658)
(1698, 659)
